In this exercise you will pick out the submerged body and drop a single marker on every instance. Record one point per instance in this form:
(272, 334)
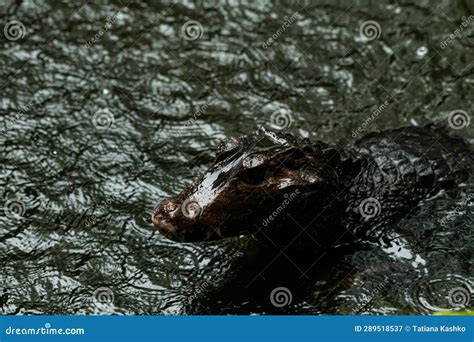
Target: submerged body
(284, 187)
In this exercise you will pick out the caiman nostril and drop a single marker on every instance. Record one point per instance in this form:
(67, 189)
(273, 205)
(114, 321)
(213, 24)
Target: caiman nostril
(169, 207)
(165, 215)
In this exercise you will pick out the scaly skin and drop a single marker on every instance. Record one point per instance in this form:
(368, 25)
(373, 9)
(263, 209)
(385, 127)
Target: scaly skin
(401, 167)
(313, 187)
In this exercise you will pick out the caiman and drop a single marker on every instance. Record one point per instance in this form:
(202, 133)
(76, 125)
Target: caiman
(283, 187)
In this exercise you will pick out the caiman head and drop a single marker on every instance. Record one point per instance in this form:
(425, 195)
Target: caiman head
(262, 181)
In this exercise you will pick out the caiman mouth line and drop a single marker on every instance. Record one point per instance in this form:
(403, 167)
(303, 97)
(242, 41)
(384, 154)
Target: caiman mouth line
(254, 174)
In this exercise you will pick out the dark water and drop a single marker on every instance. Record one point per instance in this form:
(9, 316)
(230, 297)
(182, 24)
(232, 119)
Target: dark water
(108, 108)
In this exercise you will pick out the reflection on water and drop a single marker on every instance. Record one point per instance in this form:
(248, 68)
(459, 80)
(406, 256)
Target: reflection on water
(107, 109)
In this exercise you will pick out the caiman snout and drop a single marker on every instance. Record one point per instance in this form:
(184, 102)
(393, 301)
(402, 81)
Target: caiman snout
(167, 218)
(181, 221)
(161, 216)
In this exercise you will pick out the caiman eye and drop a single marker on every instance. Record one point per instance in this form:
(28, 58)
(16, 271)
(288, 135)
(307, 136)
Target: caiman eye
(254, 169)
(226, 148)
(253, 176)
